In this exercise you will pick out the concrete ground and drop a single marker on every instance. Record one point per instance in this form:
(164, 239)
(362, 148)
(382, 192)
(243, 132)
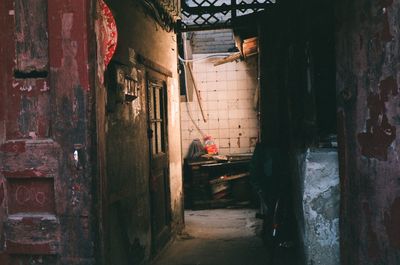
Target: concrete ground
(217, 237)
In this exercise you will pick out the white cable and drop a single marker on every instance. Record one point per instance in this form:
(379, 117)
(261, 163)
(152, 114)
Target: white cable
(203, 58)
(184, 62)
(193, 121)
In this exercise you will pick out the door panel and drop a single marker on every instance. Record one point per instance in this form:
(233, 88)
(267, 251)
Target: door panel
(159, 176)
(29, 158)
(30, 219)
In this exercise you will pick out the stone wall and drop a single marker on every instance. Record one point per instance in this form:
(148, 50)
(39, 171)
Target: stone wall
(320, 211)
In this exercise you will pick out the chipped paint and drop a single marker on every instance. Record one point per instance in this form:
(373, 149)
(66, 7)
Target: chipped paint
(24, 173)
(45, 87)
(31, 36)
(379, 134)
(13, 147)
(370, 129)
(28, 116)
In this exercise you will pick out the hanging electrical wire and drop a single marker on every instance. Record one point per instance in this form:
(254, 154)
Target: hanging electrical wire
(203, 58)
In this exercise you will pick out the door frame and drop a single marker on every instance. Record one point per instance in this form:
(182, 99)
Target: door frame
(159, 240)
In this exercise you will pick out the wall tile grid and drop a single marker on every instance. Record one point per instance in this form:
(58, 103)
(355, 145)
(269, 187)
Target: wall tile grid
(227, 95)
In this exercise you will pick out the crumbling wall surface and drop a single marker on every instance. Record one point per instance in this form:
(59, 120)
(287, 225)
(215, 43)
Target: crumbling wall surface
(298, 109)
(128, 215)
(368, 77)
(175, 152)
(127, 160)
(45, 149)
(321, 207)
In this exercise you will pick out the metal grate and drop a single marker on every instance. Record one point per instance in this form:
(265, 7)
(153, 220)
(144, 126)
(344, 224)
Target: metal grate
(157, 110)
(215, 14)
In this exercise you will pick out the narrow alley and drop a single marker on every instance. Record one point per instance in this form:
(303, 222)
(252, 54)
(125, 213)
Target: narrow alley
(199, 132)
(225, 237)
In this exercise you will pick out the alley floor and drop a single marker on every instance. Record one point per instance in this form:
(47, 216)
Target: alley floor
(223, 237)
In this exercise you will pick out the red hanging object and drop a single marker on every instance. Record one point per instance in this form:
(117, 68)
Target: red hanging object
(109, 33)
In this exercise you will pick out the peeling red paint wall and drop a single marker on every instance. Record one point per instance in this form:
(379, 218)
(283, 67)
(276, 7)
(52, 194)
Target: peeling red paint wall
(45, 189)
(68, 47)
(368, 81)
(31, 35)
(380, 133)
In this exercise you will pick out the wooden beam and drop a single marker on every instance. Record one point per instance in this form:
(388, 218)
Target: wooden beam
(233, 57)
(153, 65)
(197, 92)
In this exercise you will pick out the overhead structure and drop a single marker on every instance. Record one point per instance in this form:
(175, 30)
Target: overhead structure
(195, 15)
(165, 12)
(217, 14)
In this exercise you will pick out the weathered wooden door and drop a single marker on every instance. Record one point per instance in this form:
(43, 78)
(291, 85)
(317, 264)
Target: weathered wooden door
(29, 158)
(159, 176)
(44, 199)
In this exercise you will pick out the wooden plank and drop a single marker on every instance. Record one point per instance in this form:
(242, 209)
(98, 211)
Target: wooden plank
(31, 36)
(250, 46)
(228, 178)
(228, 59)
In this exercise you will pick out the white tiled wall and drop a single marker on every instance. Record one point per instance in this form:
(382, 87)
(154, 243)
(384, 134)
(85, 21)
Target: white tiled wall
(227, 94)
